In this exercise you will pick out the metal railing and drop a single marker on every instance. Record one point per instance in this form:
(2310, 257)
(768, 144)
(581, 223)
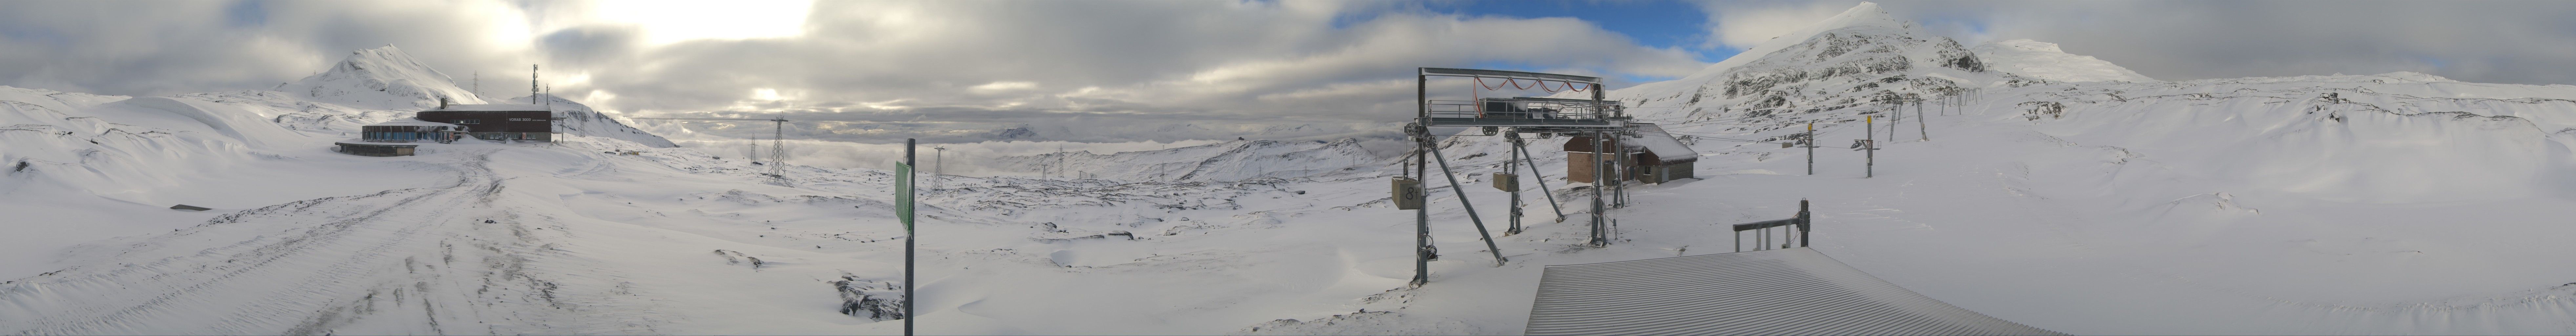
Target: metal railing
(1523, 108)
(1762, 238)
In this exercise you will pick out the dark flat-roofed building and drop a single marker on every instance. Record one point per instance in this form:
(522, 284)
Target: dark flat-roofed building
(497, 122)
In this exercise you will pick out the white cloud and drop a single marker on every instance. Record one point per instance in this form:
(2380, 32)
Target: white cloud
(1744, 24)
(666, 22)
(1001, 87)
(982, 64)
(1124, 66)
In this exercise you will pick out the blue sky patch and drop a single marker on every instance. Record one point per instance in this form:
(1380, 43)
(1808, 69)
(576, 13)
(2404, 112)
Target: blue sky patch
(1653, 23)
(246, 13)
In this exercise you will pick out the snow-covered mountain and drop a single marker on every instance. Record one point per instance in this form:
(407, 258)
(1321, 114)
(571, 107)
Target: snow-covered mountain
(2045, 61)
(1854, 63)
(2245, 205)
(1854, 60)
(383, 78)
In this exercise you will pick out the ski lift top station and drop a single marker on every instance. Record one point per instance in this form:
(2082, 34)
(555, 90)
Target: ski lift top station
(1601, 139)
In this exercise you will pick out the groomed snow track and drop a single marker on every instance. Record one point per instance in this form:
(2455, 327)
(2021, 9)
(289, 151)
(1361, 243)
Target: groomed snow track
(1795, 291)
(309, 268)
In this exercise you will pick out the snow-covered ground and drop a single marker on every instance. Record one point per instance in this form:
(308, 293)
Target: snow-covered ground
(2073, 196)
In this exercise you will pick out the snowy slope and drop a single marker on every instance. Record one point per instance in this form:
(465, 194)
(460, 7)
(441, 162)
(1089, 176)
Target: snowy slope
(381, 78)
(573, 237)
(2310, 204)
(573, 117)
(2044, 60)
(2329, 204)
(1836, 69)
(227, 150)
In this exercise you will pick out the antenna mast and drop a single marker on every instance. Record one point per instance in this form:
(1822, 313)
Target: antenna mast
(532, 83)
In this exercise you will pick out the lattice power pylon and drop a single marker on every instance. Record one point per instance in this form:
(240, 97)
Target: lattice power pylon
(777, 170)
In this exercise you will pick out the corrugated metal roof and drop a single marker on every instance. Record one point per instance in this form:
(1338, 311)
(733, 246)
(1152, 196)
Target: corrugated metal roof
(1795, 291)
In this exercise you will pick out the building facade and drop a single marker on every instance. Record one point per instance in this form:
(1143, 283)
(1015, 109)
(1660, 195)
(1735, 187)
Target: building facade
(408, 130)
(1652, 156)
(497, 122)
(392, 138)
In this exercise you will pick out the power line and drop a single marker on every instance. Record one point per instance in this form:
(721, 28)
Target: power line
(825, 129)
(820, 127)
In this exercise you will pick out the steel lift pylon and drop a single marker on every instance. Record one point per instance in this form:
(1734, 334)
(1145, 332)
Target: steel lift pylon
(1509, 117)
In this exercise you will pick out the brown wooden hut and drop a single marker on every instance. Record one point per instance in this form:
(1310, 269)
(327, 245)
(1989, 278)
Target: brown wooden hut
(1653, 156)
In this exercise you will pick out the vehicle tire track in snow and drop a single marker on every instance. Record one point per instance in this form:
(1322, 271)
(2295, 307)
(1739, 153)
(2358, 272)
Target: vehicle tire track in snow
(266, 284)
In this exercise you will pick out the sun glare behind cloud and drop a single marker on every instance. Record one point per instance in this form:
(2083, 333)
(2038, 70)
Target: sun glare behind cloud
(666, 22)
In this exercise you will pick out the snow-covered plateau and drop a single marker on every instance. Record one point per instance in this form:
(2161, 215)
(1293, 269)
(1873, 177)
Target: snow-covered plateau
(2066, 194)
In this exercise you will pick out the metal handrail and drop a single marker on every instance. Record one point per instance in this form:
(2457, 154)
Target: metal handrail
(1798, 227)
(1526, 109)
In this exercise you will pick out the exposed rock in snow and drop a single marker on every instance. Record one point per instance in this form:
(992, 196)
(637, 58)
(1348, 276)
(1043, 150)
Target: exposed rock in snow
(873, 300)
(1853, 63)
(2044, 60)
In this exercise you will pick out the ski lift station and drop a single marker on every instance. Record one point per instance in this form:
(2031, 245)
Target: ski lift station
(497, 122)
(1789, 290)
(449, 122)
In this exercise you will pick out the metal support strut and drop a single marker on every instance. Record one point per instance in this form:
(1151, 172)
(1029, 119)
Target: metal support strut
(1540, 114)
(1599, 220)
(1421, 216)
(1511, 169)
(1532, 162)
(1462, 198)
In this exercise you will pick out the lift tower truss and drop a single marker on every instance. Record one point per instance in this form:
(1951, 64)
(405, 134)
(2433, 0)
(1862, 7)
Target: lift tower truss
(1511, 117)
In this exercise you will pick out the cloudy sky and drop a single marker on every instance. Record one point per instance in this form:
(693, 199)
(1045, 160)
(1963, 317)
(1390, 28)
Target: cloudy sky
(1114, 70)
